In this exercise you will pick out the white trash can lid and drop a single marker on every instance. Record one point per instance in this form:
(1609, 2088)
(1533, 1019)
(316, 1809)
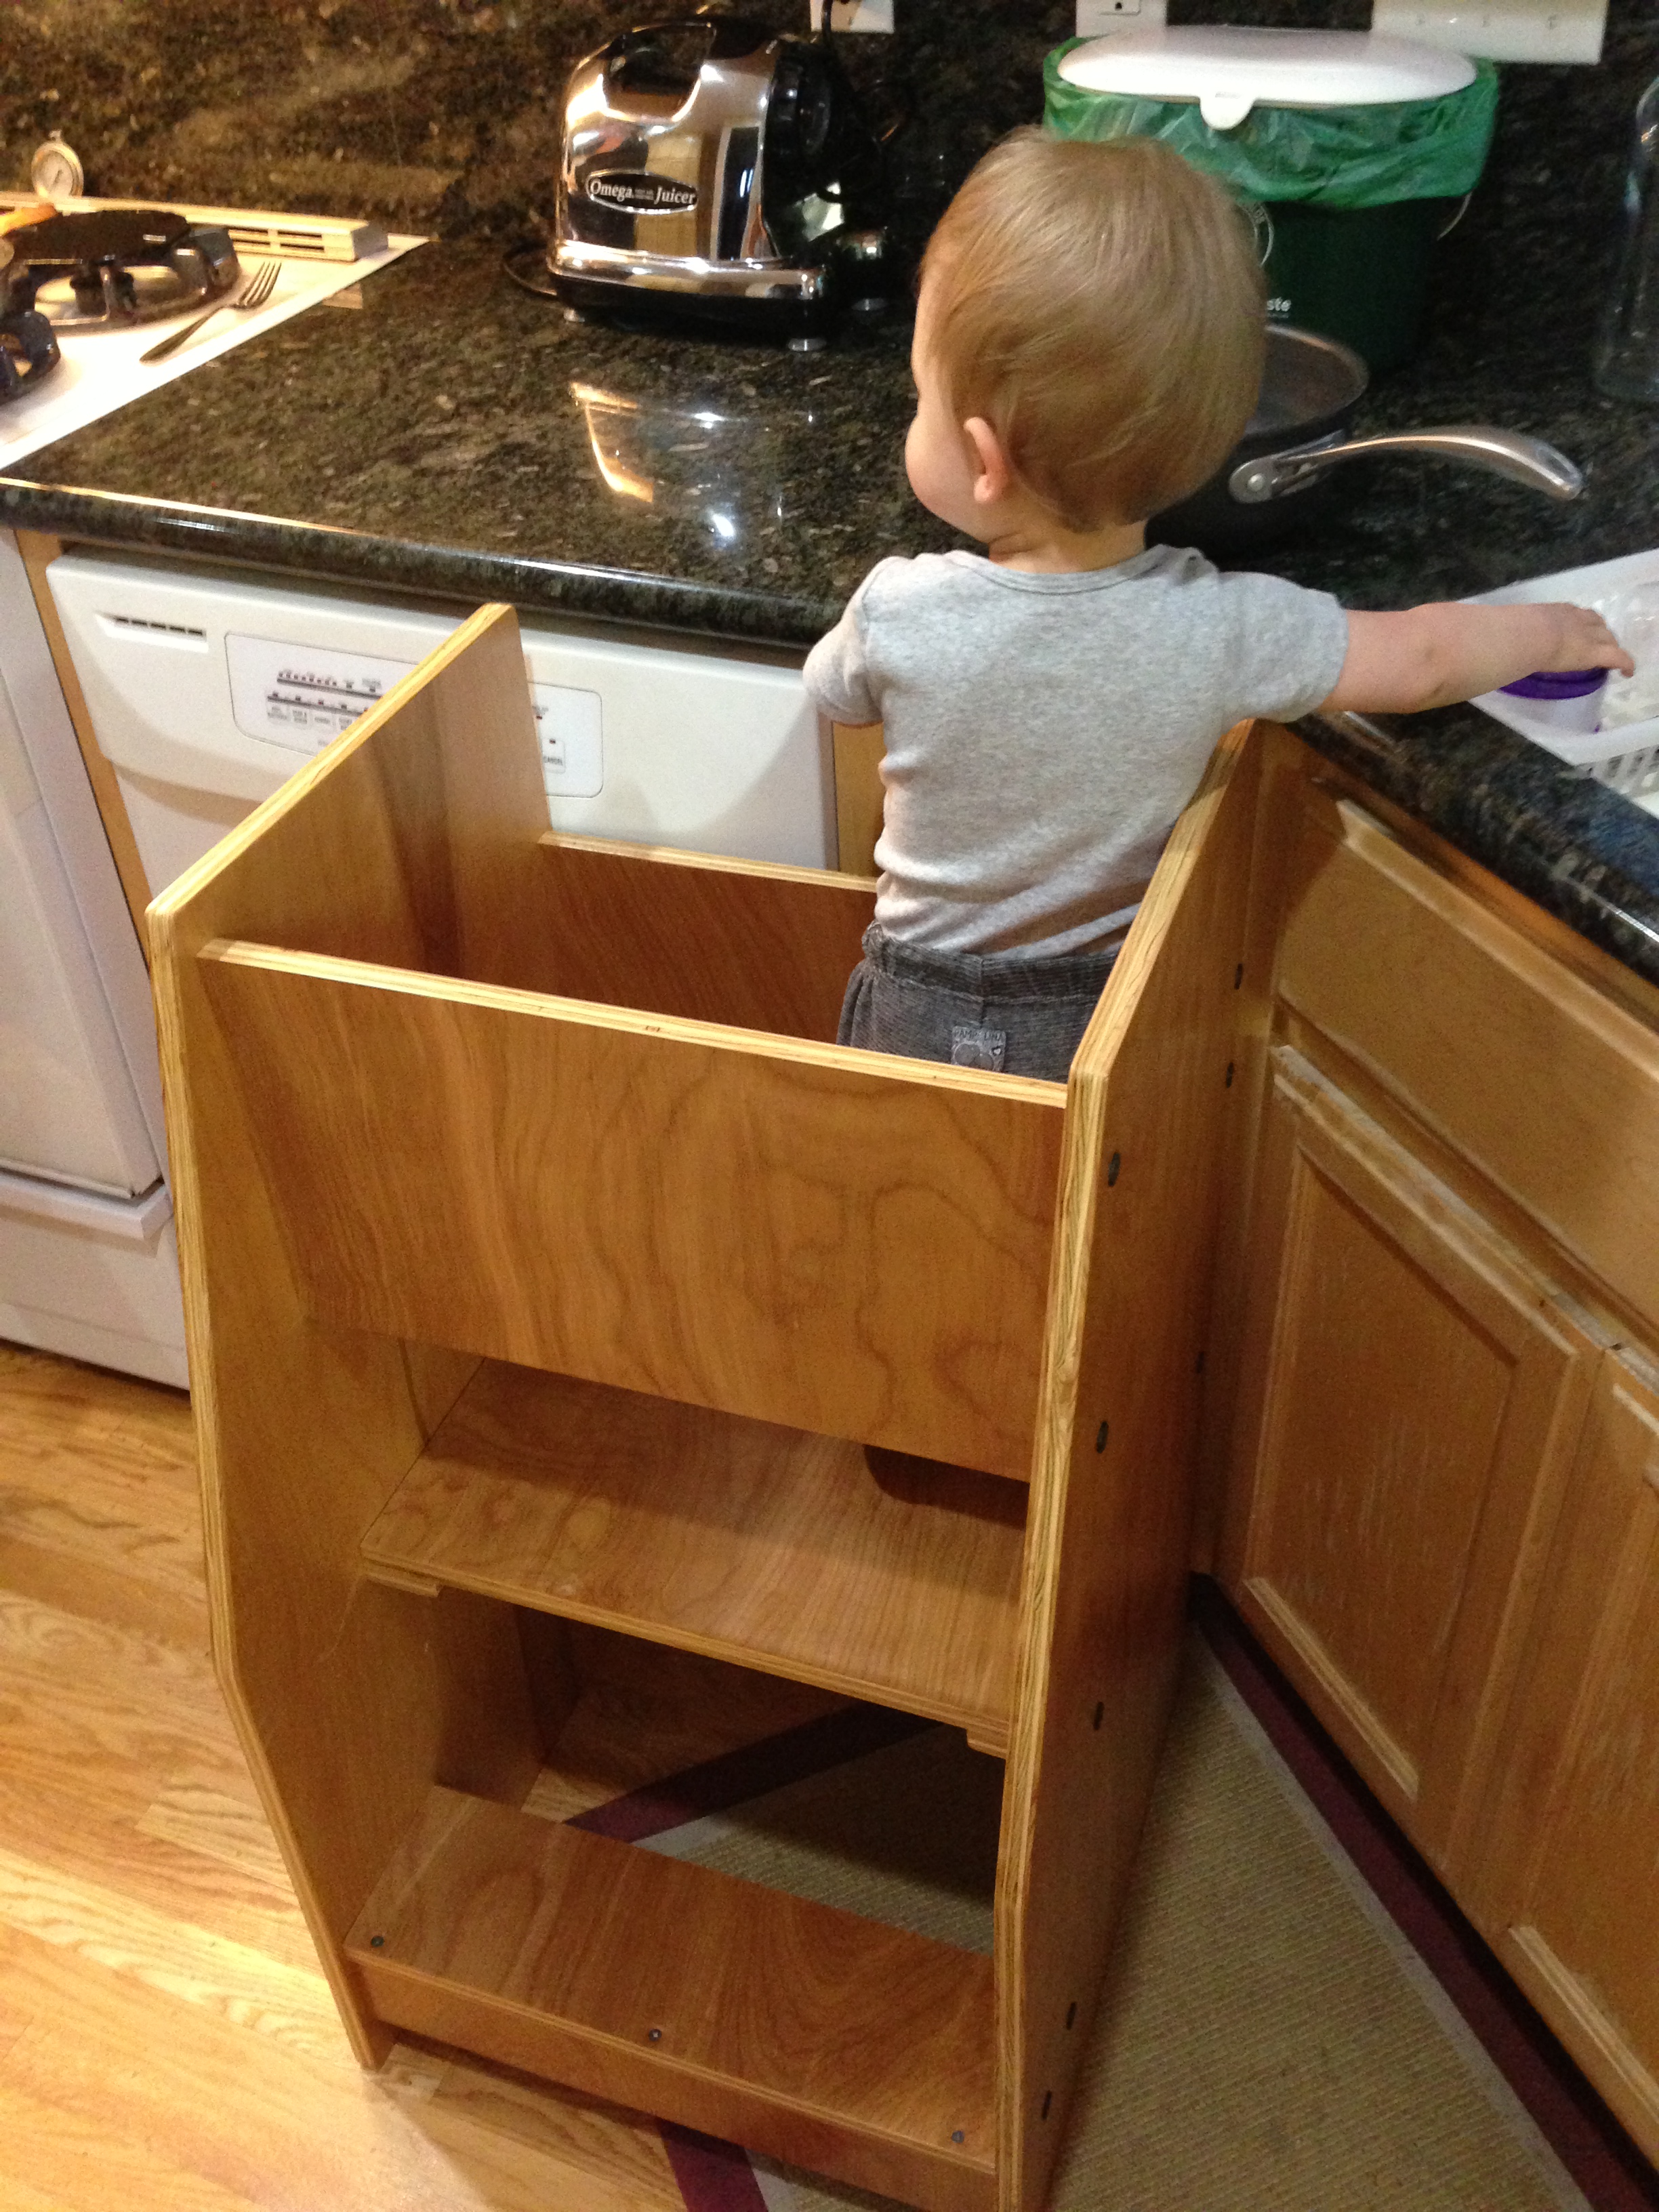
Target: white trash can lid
(1228, 68)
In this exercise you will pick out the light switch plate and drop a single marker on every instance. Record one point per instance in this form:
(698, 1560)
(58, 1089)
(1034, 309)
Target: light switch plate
(1501, 30)
(1097, 19)
(854, 15)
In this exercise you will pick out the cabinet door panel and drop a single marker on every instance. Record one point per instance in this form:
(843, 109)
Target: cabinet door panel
(1411, 1398)
(1572, 1896)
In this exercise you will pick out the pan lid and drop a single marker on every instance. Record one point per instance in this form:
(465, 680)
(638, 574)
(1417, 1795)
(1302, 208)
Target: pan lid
(1228, 68)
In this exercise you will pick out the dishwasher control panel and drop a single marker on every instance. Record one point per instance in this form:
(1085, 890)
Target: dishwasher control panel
(207, 691)
(300, 697)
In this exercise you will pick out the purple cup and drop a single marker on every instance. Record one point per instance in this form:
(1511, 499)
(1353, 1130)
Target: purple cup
(1565, 698)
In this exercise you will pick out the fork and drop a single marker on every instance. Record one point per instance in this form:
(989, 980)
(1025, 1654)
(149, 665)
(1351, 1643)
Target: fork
(254, 294)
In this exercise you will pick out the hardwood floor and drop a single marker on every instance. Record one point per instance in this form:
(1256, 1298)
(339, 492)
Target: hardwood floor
(166, 2038)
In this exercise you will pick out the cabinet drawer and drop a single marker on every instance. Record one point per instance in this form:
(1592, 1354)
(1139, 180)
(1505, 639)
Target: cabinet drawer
(1546, 1087)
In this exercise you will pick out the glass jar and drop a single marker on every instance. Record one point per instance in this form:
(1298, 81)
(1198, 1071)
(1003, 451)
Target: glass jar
(1628, 350)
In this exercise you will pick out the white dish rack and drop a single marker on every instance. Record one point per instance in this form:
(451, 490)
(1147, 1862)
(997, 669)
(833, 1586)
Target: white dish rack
(1624, 752)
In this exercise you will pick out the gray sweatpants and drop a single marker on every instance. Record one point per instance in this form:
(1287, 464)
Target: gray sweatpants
(992, 1010)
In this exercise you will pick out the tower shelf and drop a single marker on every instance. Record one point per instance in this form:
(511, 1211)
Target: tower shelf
(892, 1578)
(547, 1263)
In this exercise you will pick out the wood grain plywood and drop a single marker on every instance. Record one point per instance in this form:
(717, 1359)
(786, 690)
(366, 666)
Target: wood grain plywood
(709, 941)
(349, 1699)
(803, 1234)
(1532, 1074)
(771, 1546)
(842, 2042)
(1114, 1475)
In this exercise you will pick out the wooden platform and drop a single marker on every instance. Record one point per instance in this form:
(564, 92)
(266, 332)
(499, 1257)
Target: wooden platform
(880, 1577)
(776, 2022)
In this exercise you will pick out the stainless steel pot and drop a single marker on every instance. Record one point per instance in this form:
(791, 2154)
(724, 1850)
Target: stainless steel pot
(1271, 483)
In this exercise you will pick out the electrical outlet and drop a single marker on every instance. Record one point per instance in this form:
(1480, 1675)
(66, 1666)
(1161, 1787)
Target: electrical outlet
(1501, 30)
(1097, 19)
(856, 14)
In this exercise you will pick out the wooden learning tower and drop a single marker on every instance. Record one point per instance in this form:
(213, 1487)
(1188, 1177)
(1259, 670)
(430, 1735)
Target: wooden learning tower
(545, 1261)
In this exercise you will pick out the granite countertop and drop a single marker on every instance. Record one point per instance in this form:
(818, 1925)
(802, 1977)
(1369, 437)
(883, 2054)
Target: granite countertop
(460, 437)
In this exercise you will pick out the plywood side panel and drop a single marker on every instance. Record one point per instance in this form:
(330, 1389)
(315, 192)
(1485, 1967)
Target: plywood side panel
(460, 771)
(1541, 1082)
(846, 2044)
(712, 940)
(769, 1546)
(1112, 1478)
(349, 1699)
(813, 1236)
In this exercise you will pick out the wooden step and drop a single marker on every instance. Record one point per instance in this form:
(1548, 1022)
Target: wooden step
(891, 1578)
(836, 2043)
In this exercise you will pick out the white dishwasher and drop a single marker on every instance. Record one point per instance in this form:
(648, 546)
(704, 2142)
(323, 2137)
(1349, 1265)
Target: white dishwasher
(206, 691)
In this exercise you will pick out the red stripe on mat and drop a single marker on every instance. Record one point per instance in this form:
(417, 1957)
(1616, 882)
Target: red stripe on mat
(713, 2176)
(1571, 2117)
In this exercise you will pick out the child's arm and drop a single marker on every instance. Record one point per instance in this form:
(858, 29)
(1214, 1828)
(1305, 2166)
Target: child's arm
(1432, 656)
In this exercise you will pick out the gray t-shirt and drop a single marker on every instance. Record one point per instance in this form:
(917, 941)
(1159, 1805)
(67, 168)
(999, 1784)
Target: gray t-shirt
(1043, 732)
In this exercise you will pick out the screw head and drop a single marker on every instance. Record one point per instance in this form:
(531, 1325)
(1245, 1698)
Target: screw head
(653, 2035)
(376, 1942)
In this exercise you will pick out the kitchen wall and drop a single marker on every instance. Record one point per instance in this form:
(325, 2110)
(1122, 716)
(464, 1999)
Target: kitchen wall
(443, 114)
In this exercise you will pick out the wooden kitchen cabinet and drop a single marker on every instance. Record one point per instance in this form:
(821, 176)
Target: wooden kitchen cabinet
(1568, 1889)
(1441, 1474)
(545, 1261)
(1414, 1393)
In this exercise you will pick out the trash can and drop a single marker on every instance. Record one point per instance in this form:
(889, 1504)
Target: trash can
(1353, 153)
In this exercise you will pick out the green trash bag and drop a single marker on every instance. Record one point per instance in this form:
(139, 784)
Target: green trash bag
(1334, 157)
(1348, 202)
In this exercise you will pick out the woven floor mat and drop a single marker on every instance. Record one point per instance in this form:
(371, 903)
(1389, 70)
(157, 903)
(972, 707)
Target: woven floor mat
(1263, 2045)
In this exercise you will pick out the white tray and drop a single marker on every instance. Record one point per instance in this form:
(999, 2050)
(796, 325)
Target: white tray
(1624, 752)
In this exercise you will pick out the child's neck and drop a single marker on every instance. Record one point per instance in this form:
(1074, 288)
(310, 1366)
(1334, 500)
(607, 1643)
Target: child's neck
(1036, 542)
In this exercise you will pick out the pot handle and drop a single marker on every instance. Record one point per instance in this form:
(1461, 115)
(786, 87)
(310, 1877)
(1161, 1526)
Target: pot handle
(1509, 453)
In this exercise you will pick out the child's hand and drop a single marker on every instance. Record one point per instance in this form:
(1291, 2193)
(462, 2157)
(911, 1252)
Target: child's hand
(1430, 656)
(1577, 638)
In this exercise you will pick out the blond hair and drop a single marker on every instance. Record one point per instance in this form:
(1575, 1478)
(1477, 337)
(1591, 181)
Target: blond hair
(1101, 306)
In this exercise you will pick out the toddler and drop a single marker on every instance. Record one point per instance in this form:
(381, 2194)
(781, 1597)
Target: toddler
(1088, 348)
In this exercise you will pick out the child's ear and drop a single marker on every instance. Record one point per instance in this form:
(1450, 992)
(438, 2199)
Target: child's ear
(993, 478)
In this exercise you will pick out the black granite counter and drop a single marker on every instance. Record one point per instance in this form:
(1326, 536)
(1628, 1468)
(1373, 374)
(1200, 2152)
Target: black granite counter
(459, 438)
